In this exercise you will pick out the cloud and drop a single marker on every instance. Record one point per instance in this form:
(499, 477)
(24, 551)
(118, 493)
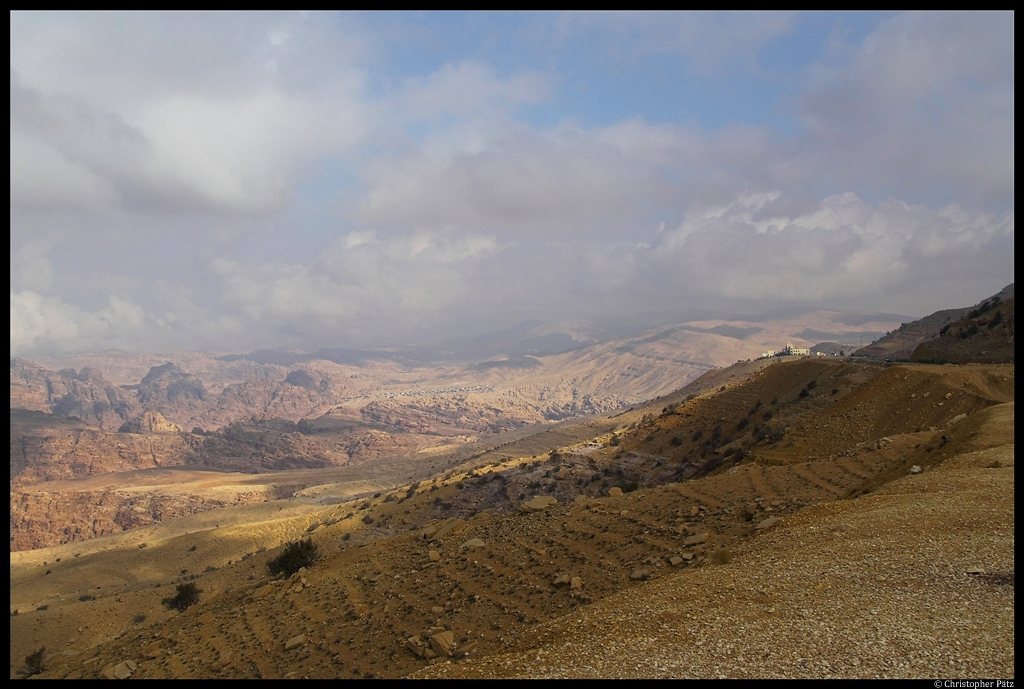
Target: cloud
(841, 250)
(45, 323)
(923, 104)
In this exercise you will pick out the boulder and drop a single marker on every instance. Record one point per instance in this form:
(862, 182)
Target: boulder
(443, 643)
(614, 492)
(434, 556)
(675, 560)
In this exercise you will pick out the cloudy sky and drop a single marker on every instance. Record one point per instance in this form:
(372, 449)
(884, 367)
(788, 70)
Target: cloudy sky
(235, 181)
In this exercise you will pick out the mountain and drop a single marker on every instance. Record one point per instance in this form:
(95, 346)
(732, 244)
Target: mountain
(84, 394)
(900, 344)
(984, 335)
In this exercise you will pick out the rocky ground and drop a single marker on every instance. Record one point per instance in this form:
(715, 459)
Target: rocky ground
(851, 544)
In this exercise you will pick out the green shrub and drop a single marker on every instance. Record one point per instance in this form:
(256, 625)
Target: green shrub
(296, 554)
(187, 596)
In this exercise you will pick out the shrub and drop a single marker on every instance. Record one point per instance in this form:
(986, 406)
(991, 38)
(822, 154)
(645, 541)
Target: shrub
(813, 384)
(139, 619)
(367, 519)
(296, 554)
(803, 393)
(85, 596)
(676, 441)
(33, 664)
(722, 556)
(187, 596)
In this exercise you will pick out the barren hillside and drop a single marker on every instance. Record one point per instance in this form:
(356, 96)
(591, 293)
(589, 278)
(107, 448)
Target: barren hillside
(629, 554)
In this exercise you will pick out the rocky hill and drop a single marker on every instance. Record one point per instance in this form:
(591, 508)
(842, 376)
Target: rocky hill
(899, 345)
(984, 335)
(709, 533)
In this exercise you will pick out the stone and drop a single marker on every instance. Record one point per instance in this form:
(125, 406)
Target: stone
(614, 492)
(687, 556)
(916, 469)
(473, 543)
(437, 610)
(207, 618)
(957, 419)
(122, 671)
(434, 556)
(694, 511)
(414, 644)
(576, 583)
(675, 560)
(767, 523)
(131, 664)
(263, 591)
(562, 580)
(465, 649)
(443, 643)
(696, 539)
(537, 503)
(294, 642)
(640, 575)
(452, 527)
(949, 395)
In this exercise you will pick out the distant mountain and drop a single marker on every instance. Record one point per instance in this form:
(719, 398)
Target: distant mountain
(900, 343)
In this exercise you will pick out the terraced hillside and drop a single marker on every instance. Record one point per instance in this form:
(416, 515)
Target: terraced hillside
(486, 562)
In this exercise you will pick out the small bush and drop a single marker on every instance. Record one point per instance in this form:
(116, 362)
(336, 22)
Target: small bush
(803, 393)
(296, 554)
(367, 519)
(722, 556)
(187, 596)
(33, 663)
(139, 619)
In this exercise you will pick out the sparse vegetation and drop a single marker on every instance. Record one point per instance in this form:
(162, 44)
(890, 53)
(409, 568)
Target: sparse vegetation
(721, 556)
(33, 664)
(187, 595)
(296, 554)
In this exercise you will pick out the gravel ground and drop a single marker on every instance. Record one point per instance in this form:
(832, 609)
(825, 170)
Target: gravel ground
(881, 586)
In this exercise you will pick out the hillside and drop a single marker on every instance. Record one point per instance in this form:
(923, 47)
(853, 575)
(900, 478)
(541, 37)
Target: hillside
(692, 537)
(899, 345)
(985, 335)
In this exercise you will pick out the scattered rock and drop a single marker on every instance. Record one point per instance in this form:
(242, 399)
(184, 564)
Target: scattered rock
(640, 575)
(465, 649)
(694, 511)
(916, 469)
(976, 570)
(576, 583)
(767, 523)
(957, 419)
(675, 560)
(562, 580)
(473, 543)
(434, 556)
(294, 642)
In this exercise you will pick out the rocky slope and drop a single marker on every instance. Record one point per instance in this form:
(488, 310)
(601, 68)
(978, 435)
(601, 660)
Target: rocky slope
(484, 562)
(984, 335)
(900, 344)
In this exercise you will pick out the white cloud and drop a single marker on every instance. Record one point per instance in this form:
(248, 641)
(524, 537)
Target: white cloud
(47, 323)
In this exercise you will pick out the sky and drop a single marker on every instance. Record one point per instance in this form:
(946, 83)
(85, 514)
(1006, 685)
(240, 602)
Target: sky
(234, 181)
